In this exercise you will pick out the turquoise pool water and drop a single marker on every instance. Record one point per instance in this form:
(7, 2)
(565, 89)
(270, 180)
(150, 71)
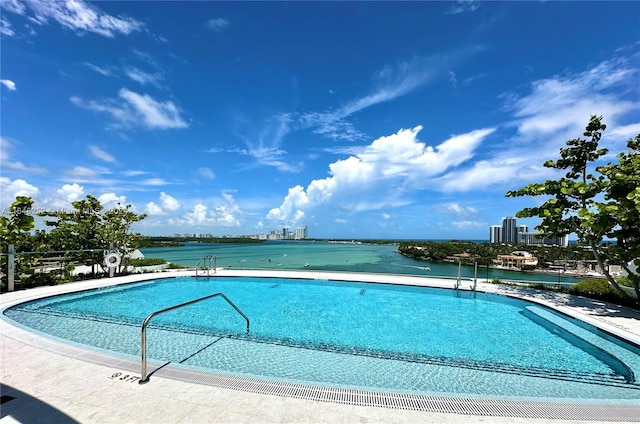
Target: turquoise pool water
(349, 334)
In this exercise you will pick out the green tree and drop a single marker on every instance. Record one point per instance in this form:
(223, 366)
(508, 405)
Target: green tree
(88, 227)
(619, 214)
(15, 227)
(77, 229)
(573, 206)
(116, 229)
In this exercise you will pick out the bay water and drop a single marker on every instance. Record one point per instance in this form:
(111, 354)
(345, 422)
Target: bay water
(333, 256)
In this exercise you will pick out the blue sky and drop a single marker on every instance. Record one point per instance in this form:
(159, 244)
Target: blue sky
(357, 119)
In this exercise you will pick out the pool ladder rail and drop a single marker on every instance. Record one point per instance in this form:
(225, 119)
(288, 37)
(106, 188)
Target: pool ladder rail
(144, 377)
(459, 279)
(204, 265)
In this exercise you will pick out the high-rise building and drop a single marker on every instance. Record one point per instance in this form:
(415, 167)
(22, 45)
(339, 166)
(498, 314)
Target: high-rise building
(302, 233)
(495, 234)
(509, 230)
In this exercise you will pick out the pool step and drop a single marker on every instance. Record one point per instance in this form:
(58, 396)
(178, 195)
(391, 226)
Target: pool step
(581, 338)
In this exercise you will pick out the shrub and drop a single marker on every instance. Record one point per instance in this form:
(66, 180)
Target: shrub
(39, 279)
(624, 281)
(592, 286)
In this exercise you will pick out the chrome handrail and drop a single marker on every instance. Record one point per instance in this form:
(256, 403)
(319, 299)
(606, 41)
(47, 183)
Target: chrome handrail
(205, 261)
(144, 378)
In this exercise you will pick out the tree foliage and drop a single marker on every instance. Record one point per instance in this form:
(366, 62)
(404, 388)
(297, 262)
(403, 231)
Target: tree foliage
(574, 203)
(87, 226)
(14, 228)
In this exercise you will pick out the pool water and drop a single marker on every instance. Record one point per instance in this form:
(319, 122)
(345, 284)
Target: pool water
(358, 335)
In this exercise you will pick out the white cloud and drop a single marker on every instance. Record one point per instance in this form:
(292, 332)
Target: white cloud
(455, 210)
(207, 173)
(388, 83)
(625, 131)
(468, 224)
(111, 200)
(381, 175)
(221, 213)
(463, 6)
(70, 192)
(153, 182)
(218, 24)
(106, 71)
(5, 163)
(144, 78)
(9, 84)
(83, 174)
(452, 79)
(131, 109)
(167, 205)
(10, 189)
(5, 28)
(75, 15)
(101, 154)
(553, 111)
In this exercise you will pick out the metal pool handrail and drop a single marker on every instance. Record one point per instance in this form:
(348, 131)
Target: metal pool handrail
(144, 378)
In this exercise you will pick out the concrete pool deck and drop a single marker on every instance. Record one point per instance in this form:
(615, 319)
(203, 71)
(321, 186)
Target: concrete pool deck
(46, 381)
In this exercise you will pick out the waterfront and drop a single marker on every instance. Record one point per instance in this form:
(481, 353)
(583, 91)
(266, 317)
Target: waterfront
(330, 256)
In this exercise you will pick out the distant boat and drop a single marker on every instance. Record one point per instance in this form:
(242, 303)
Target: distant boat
(261, 259)
(285, 255)
(243, 260)
(306, 264)
(278, 264)
(426, 268)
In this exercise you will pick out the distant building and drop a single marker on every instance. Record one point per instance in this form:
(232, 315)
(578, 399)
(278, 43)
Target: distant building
(495, 234)
(515, 261)
(510, 232)
(301, 233)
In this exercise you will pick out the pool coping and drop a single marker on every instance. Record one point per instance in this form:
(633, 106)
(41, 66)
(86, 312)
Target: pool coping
(464, 406)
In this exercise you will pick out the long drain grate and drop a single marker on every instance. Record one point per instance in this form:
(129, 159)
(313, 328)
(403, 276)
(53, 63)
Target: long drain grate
(438, 404)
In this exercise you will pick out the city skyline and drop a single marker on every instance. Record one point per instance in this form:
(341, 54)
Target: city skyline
(362, 120)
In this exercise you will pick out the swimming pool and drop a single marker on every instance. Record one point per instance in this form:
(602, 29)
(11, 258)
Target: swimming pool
(361, 336)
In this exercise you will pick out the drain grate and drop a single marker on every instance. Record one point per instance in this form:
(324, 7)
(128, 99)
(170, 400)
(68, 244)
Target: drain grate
(438, 404)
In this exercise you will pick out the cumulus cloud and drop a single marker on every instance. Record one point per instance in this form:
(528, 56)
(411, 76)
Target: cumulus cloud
(70, 192)
(9, 84)
(223, 212)
(75, 15)
(111, 200)
(381, 175)
(10, 189)
(167, 204)
(101, 154)
(131, 109)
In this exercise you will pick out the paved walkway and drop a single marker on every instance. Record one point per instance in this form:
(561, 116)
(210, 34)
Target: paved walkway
(47, 382)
